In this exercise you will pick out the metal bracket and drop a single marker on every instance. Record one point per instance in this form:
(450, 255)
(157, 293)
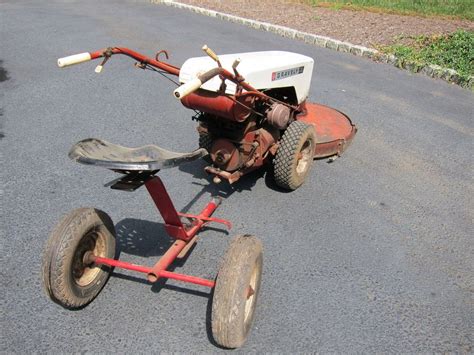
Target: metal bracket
(208, 220)
(132, 180)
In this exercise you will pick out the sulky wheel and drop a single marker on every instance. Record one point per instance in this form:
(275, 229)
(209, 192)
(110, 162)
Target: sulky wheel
(236, 291)
(294, 156)
(68, 278)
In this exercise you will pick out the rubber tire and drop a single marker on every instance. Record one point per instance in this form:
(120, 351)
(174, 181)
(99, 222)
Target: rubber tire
(286, 159)
(229, 328)
(57, 274)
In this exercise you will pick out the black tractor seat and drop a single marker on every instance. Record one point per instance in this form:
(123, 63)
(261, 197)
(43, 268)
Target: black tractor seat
(93, 151)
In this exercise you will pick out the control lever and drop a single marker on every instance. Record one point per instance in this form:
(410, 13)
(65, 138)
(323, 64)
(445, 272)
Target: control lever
(235, 65)
(211, 54)
(107, 54)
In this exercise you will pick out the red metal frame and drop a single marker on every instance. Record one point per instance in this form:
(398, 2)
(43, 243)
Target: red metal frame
(183, 234)
(137, 56)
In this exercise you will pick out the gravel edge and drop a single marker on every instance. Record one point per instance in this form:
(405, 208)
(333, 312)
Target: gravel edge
(433, 71)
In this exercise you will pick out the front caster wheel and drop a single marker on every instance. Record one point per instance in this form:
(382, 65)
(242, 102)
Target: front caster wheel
(236, 291)
(68, 278)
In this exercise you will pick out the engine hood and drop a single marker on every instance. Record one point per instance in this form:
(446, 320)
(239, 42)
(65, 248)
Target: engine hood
(262, 70)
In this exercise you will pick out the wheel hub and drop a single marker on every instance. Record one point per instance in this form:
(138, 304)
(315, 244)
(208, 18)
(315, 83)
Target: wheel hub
(304, 158)
(250, 302)
(83, 272)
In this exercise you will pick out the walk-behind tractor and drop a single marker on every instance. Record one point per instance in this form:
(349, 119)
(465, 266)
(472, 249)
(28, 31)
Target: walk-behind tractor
(251, 111)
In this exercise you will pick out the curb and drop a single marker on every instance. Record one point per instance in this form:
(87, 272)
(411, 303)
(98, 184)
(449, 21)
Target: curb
(433, 71)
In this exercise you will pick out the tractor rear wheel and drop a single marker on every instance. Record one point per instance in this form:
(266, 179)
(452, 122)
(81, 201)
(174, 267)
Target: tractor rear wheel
(69, 279)
(294, 157)
(236, 291)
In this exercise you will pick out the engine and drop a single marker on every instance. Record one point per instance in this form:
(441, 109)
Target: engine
(238, 133)
(241, 130)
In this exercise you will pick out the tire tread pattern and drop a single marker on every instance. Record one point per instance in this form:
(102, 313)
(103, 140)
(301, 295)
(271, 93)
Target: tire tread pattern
(228, 306)
(284, 164)
(59, 250)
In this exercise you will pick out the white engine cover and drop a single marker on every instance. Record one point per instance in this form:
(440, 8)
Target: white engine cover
(262, 70)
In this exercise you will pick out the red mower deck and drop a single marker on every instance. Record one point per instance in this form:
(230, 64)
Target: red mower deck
(334, 130)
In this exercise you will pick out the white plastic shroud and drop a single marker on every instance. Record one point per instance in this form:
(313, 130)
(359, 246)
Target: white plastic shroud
(262, 70)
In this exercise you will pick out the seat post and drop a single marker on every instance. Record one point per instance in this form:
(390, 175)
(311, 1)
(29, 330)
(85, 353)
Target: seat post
(173, 225)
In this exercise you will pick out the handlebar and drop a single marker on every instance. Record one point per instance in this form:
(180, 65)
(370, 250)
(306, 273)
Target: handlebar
(188, 88)
(87, 56)
(182, 91)
(74, 59)
(194, 84)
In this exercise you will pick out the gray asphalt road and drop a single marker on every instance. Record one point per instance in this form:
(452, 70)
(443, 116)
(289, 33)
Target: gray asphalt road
(373, 254)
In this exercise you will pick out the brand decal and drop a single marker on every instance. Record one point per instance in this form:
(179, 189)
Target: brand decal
(283, 74)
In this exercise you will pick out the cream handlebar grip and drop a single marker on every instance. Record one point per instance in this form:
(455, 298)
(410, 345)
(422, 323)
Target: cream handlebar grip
(188, 88)
(210, 52)
(74, 59)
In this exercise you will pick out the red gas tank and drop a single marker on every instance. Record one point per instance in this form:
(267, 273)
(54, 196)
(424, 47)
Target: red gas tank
(220, 105)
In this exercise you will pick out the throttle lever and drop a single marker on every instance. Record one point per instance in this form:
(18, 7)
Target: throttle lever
(107, 54)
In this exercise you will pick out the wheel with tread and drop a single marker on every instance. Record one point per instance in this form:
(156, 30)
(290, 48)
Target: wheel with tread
(68, 278)
(236, 291)
(294, 156)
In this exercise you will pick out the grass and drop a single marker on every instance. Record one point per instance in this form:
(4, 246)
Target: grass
(454, 51)
(448, 8)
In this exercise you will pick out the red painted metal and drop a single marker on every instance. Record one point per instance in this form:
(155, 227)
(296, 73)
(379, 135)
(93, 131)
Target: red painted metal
(219, 105)
(187, 278)
(173, 225)
(171, 69)
(225, 154)
(265, 140)
(207, 211)
(143, 269)
(119, 264)
(166, 260)
(206, 220)
(176, 229)
(334, 130)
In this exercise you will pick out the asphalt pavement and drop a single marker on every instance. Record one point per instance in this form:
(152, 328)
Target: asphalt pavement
(373, 254)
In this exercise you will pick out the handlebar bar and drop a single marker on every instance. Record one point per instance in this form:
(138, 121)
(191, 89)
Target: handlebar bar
(85, 57)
